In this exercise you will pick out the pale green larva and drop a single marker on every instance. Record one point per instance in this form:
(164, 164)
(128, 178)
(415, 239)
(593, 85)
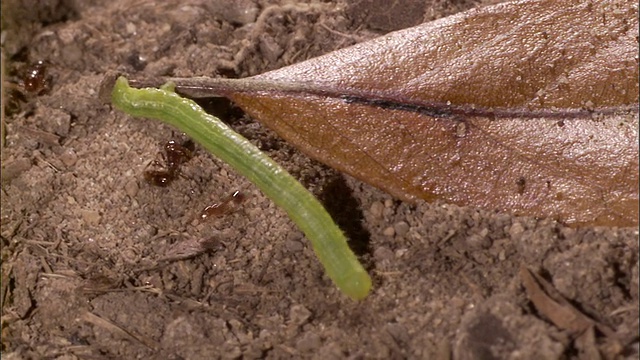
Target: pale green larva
(329, 243)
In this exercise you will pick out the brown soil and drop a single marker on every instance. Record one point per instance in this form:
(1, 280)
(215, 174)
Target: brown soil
(83, 234)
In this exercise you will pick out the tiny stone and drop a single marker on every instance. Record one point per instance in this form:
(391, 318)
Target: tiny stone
(235, 11)
(400, 253)
(129, 256)
(383, 253)
(233, 353)
(60, 123)
(131, 188)
(90, 216)
(461, 130)
(589, 104)
(299, 315)
(376, 209)
(516, 230)
(401, 228)
(457, 302)
(294, 246)
(568, 232)
(309, 342)
(69, 157)
(151, 230)
(477, 241)
(131, 28)
(398, 332)
(388, 203)
(270, 48)
(294, 236)
(14, 168)
(390, 231)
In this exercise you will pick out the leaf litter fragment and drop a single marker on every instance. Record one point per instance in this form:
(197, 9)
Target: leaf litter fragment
(553, 306)
(529, 107)
(556, 308)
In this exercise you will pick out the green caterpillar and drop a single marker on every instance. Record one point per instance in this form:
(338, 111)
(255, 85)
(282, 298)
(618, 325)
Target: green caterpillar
(328, 241)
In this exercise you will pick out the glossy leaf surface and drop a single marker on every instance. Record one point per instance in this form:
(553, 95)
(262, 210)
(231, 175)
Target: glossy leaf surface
(528, 107)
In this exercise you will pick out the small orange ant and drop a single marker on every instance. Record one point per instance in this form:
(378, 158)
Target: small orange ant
(26, 81)
(35, 79)
(226, 206)
(175, 154)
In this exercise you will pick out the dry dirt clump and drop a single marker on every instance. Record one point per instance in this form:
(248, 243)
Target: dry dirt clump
(91, 264)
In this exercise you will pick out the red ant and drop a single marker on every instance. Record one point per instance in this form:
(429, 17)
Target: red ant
(174, 156)
(194, 246)
(35, 79)
(227, 205)
(28, 80)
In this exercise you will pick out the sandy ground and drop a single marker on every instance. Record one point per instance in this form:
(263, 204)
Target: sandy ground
(84, 236)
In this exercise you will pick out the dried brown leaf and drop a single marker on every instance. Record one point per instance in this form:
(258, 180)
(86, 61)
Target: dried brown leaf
(529, 107)
(555, 307)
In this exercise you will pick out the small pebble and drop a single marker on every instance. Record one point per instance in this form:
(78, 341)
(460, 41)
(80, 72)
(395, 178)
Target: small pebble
(477, 241)
(309, 342)
(383, 253)
(294, 246)
(131, 188)
(390, 231)
(270, 48)
(235, 11)
(69, 157)
(59, 123)
(376, 209)
(568, 232)
(401, 228)
(516, 230)
(129, 256)
(400, 253)
(14, 168)
(90, 217)
(130, 28)
(299, 315)
(294, 236)
(502, 256)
